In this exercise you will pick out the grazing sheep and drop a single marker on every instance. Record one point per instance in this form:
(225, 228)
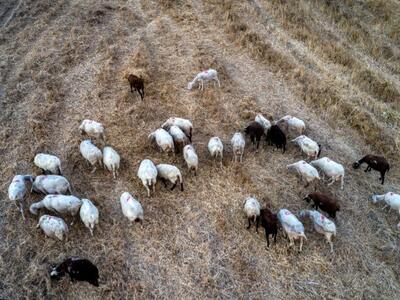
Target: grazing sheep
(263, 122)
(255, 130)
(269, 221)
(216, 148)
(191, 158)
(321, 224)
(131, 208)
(308, 146)
(147, 172)
(292, 226)
(91, 153)
(183, 124)
(163, 139)
(51, 184)
(89, 214)
(93, 129)
(392, 200)
(47, 162)
(252, 210)
(136, 84)
(206, 76)
(291, 125)
(17, 191)
(378, 163)
(111, 160)
(179, 137)
(79, 269)
(324, 202)
(306, 172)
(53, 227)
(170, 173)
(331, 169)
(275, 136)
(238, 144)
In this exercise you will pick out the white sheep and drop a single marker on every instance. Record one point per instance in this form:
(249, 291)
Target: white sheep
(308, 146)
(47, 162)
(51, 184)
(91, 153)
(252, 210)
(293, 228)
(89, 214)
(260, 119)
(191, 158)
(206, 76)
(163, 139)
(53, 227)
(17, 191)
(147, 172)
(93, 129)
(391, 199)
(179, 137)
(321, 224)
(291, 125)
(111, 160)
(170, 173)
(131, 208)
(238, 144)
(216, 148)
(331, 169)
(306, 171)
(183, 124)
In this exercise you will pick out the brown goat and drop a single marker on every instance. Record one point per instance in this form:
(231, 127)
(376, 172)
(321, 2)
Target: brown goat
(378, 163)
(137, 84)
(324, 202)
(269, 221)
(255, 131)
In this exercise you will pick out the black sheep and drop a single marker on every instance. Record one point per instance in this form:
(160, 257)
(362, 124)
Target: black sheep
(255, 131)
(275, 136)
(78, 269)
(377, 163)
(136, 84)
(269, 221)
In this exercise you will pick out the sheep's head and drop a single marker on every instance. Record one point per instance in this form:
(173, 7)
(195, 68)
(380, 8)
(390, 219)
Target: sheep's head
(58, 271)
(374, 198)
(190, 85)
(33, 209)
(307, 198)
(303, 213)
(356, 165)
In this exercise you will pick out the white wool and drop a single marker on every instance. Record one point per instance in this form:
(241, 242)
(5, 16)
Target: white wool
(163, 139)
(331, 169)
(238, 144)
(51, 184)
(252, 208)
(17, 191)
(169, 172)
(204, 76)
(147, 173)
(391, 199)
(177, 134)
(60, 203)
(48, 162)
(292, 226)
(111, 160)
(53, 227)
(89, 214)
(264, 122)
(307, 146)
(92, 128)
(292, 125)
(191, 158)
(131, 208)
(306, 171)
(215, 147)
(184, 124)
(91, 153)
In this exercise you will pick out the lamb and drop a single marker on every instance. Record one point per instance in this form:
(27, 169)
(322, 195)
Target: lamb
(331, 169)
(306, 172)
(91, 153)
(392, 200)
(191, 158)
(163, 139)
(263, 122)
(238, 144)
(293, 228)
(308, 146)
(131, 208)
(79, 269)
(291, 125)
(255, 131)
(321, 224)
(53, 227)
(324, 202)
(179, 137)
(147, 172)
(206, 76)
(252, 210)
(216, 148)
(136, 84)
(51, 184)
(47, 162)
(275, 136)
(89, 214)
(375, 162)
(93, 129)
(170, 173)
(17, 191)
(111, 160)
(269, 221)
(184, 124)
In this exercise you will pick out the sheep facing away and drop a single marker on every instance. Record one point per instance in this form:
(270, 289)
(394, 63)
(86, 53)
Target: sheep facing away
(293, 228)
(306, 172)
(309, 147)
(170, 173)
(264, 122)
(137, 84)
(185, 125)
(269, 221)
(53, 227)
(251, 208)
(51, 184)
(89, 214)
(191, 158)
(216, 148)
(131, 208)
(91, 153)
(147, 173)
(179, 137)
(324, 202)
(291, 125)
(17, 191)
(331, 169)
(79, 269)
(93, 129)
(275, 136)
(238, 144)
(206, 76)
(255, 130)
(391, 200)
(378, 163)
(48, 163)
(163, 139)
(111, 160)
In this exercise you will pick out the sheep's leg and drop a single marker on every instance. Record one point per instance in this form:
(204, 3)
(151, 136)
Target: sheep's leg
(385, 207)
(241, 157)
(174, 185)
(301, 243)
(275, 237)
(267, 237)
(216, 78)
(148, 190)
(332, 181)
(257, 223)
(248, 227)
(329, 239)
(154, 187)
(341, 182)
(21, 209)
(94, 169)
(382, 177)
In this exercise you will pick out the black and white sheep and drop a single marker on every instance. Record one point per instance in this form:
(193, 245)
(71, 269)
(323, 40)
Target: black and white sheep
(79, 269)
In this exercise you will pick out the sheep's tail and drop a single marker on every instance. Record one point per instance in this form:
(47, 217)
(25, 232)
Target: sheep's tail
(70, 189)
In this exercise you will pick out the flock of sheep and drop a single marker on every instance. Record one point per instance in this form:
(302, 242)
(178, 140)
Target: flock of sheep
(174, 136)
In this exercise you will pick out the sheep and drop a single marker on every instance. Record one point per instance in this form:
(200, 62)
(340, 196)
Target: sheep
(79, 269)
(331, 169)
(47, 162)
(321, 224)
(255, 131)
(375, 162)
(252, 208)
(191, 158)
(131, 208)
(89, 214)
(147, 172)
(306, 172)
(17, 191)
(238, 144)
(111, 160)
(184, 124)
(275, 136)
(170, 173)
(263, 122)
(293, 228)
(136, 84)
(163, 139)
(206, 76)
(179, 137)
(216, 148)
(269, 221)
(324, 202)
(311, 148)
(291, 125)
(93, 129)
(51, 184)
(392, 200)
(91, 153)
(53, 227)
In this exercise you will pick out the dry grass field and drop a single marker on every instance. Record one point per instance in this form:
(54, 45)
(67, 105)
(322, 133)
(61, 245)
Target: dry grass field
(334, 64)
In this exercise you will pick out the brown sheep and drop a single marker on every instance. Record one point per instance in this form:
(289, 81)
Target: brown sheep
(269, 221)
(324, 202)
(377, 163)
(137, 84)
